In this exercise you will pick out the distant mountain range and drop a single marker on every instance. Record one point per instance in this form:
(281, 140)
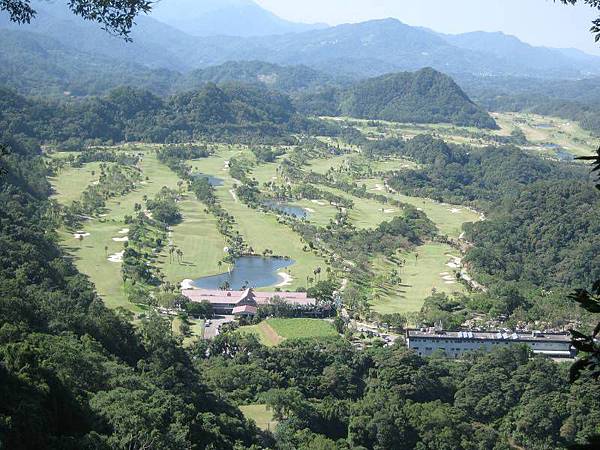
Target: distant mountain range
(225, 17)
(359, 50)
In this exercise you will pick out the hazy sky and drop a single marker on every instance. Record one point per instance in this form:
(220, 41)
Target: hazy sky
(538, 22)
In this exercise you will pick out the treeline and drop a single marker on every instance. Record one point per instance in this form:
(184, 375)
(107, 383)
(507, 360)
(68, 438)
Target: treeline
(74, 374)
(327, 395)
(230, 112)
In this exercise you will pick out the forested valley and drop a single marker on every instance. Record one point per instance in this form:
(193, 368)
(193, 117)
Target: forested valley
(234, 242)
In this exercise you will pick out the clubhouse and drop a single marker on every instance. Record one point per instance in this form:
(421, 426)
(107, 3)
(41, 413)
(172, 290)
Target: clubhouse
(246, 303)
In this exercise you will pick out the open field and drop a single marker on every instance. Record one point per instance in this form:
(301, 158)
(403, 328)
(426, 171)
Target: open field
(366, 213)
(265, 333)
(262, 416)
(419, 277)
(300, 328)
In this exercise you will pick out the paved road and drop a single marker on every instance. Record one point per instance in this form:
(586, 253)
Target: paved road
(212, 330)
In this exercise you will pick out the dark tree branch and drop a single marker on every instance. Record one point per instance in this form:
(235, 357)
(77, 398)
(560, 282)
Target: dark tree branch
(115, 16)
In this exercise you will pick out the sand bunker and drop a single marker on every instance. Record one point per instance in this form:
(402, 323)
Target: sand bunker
(80, 235)
(455, 211)
(310, 210)
(121, 239)
(116, 257)
(124, 231)
(450, 282)
(378, 187)
(287, 279)
(319, 202)
(187, 284)
(389, 211)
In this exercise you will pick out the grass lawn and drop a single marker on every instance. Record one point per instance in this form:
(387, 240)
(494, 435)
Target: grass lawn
(419, 277)
(265, 333)
(274, 331)
(448, 218)
(262, 416)
(301, 328)
(322, 165)
(71, 181)
(366, 213)
(90, 255)
(202, 244)
(318, 213)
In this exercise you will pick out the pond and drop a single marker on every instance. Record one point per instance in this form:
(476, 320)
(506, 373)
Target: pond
(249, 271)
(290, 210)
(544, 126)
(213, 181)
(564, 155)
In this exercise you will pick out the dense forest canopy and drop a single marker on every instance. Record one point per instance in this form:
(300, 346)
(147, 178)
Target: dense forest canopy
(129, 114)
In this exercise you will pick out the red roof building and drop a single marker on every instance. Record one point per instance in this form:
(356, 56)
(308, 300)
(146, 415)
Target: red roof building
(228, 302)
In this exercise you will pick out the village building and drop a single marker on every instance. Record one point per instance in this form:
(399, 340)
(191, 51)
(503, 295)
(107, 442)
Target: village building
(455, 343)
(246, 303)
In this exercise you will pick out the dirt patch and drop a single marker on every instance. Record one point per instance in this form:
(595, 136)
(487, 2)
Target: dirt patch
(269, 333)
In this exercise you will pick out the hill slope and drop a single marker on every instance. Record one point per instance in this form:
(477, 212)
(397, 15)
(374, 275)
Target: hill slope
(426, 96)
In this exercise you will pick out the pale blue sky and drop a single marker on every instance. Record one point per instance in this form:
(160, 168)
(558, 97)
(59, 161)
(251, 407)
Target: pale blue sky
(538, 22)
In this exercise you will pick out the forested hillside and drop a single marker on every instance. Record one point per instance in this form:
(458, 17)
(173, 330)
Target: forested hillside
(128, 114)
(426, 96)
(547, 234)
(74, 374)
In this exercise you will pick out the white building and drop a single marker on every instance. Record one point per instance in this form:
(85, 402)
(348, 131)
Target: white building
(455, 343)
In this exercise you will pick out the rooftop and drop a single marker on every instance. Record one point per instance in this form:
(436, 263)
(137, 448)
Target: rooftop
(489, 335)
(232, 297)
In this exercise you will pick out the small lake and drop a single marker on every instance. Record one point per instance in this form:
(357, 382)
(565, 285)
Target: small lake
(544, 126)
(290, 210)
(213, 181)
(253, 271)
(564, 155)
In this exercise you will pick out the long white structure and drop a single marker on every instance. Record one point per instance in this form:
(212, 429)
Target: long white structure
(455, 343)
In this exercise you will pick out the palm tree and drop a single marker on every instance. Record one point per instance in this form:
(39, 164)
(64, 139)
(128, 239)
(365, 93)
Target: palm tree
(171, 250)
(180, 255)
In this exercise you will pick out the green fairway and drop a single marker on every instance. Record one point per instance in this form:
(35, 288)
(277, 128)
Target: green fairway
(261, 230)
(71, 181)
(419, 277)
(90, 255)
(367, 213)
(448, 218)
(199, 239)
(262, 416)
